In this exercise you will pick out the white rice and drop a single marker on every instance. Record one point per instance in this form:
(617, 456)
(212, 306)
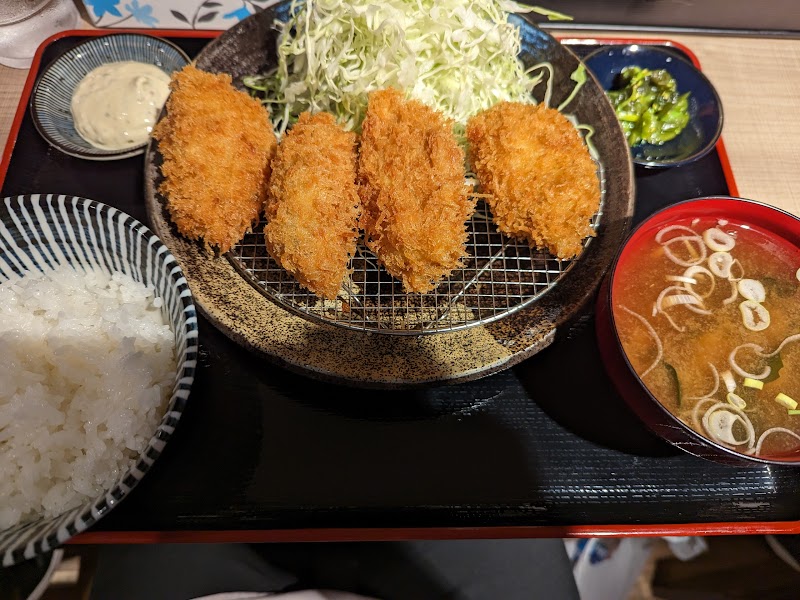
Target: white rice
(86, 365)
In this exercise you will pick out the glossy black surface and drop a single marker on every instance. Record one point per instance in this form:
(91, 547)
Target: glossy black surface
(546, 443)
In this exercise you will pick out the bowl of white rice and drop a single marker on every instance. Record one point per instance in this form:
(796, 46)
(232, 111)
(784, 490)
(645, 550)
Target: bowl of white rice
(98, 339)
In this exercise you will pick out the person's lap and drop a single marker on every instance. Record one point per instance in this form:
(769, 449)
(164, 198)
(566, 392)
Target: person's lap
(435, 570)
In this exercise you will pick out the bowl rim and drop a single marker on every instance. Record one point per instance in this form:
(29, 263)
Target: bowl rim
(108, 155)
(697, 437)
(28, 539)
(674, 53)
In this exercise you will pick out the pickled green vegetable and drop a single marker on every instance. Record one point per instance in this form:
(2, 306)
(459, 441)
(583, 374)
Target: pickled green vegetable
(649, 107)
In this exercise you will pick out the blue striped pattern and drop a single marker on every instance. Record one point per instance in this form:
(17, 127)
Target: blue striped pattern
(39, 232)
(50, 101)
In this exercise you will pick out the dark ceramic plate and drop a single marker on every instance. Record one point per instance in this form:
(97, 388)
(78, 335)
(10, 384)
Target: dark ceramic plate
(251, 319)
(705, 109)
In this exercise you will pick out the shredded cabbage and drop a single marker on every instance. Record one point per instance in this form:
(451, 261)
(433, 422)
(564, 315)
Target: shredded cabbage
(457, 57)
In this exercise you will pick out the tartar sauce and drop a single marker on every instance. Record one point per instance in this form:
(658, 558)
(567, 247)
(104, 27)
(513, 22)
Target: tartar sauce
(116, 105)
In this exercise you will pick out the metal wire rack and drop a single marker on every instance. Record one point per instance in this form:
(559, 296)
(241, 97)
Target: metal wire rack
(500, 276)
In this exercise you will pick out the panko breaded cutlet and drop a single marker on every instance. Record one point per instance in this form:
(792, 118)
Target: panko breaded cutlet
(411, 177)
(541, 181)
(217, 143)
(313, 205)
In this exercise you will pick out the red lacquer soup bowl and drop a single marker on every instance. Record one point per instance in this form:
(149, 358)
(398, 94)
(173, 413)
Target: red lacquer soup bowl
(780, 227)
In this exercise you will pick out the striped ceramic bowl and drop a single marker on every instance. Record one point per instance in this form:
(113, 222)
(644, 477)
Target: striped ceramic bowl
(37, 232)
(50, 101)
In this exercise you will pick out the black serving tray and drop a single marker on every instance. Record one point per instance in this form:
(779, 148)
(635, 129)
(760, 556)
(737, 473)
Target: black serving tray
(546, 443)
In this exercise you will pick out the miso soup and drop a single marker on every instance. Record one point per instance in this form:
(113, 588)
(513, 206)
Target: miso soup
(708, 313)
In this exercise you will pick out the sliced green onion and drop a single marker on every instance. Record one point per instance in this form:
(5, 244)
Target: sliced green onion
(733, 296)
(693, 272)
(682, 279)
(740, 371)
(718, 421)
(720, 264)
(753, 383)
(678, 299)
(752, 289)
(696, 258)
(718, 240)
(727, 378)
(794, 412)
(754, 316)
(786, 401)
(736, 401)
(680, 228)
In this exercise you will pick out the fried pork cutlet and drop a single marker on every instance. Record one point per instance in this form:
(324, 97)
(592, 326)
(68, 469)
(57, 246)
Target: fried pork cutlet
(411, 176)
(217, 143)
(542, 183)
(313, 206)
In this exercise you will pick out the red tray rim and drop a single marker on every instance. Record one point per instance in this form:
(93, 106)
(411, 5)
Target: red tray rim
(399, 534)
(395, 533)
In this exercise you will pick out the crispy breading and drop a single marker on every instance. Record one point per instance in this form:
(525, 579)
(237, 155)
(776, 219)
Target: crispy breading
(541, 181)
(313, 206)
(217, 143)
(411, 176)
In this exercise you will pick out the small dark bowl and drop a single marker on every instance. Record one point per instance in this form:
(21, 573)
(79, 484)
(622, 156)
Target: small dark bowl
(635, 393)
(705, 109)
